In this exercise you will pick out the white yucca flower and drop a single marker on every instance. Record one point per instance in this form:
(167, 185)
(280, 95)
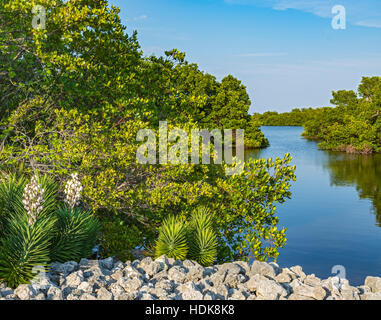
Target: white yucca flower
(73, 189)
(33, 199)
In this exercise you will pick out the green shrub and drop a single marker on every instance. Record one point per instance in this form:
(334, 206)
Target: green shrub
(202, 237)
(24, 247)
(195, 239)
(11, 189)
(94, 129)
(76, 235)
(354, 125)
(119, 238)
(172, 239)
(36, 230)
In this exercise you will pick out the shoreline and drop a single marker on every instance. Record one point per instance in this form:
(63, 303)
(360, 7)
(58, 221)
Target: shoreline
(167, 279)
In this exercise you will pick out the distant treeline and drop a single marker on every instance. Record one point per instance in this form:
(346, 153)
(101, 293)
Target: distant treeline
(297, 117)
(353, 126)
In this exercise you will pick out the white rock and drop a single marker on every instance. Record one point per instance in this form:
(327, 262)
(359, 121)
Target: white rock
(104, 294)
(130, 285)
(190, 292)
(54, 293)
(86, 287)
(177, 274)
(25, 292)
(374, 283)
(316, 292)
(264, 269)
(75, 279)
(299, 272)
(266, 288)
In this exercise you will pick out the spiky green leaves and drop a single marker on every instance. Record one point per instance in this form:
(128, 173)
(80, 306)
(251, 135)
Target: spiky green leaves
(50, 195)
(11, 190)
(172, 239)
(23, 248)
(203, 248)
(54, 235)
(202, 238)
(76, 235)
(195, 239)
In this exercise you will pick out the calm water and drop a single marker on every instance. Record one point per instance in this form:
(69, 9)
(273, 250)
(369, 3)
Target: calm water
(334, 216)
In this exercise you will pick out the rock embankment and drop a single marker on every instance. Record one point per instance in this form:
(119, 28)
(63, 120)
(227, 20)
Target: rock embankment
(167, 279)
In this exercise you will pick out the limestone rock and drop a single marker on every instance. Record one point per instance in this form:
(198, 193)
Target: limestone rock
(177, 274)
(130, 285)
(104, 294)
(54, 293)
(264, 269)
(74, 279)
(371, 296)
(299, 272)
(374, 283)
(283, 277)
(189, 291)
(317, 292)
(266, 288)
(25, 292)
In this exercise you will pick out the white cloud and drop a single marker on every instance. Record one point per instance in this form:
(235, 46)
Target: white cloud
(369, 23)
(366, 13)
(142, 17)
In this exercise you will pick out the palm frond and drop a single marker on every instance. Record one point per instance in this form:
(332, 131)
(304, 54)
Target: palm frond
(23, 248)
(51, 188)
(172, 239)
(76, 235)
(203, 247)
(11, 191)
(202, 238)
(202, 218)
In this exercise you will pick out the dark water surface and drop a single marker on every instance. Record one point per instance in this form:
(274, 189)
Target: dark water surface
(334, 216)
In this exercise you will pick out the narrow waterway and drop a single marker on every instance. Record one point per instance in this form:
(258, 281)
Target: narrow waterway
(334, 216)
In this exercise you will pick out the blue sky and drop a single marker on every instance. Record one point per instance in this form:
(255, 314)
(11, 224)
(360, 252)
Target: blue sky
(285, 51)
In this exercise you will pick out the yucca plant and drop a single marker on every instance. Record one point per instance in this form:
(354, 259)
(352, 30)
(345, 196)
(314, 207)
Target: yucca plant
(50, 188)
(195, 240)
(202, 237)
(36, 229)
(172, 239)
(76, 235)
(11, 190)
(24, 247)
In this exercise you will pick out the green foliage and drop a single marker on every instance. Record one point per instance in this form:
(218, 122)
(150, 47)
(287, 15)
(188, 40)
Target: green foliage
(296, 117)
(75, 235)
(246, 218)
(172, 239)
(57, 234)
(75, 101)
(202, 238)
(354, 125)
(195, 239)
(203, 248)
(11, 190)
(202, 218)
(119, 238)
(24, 248)
(11, 195)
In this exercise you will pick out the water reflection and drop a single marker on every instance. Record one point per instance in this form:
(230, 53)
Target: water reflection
(362, 172)
(334, 214)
